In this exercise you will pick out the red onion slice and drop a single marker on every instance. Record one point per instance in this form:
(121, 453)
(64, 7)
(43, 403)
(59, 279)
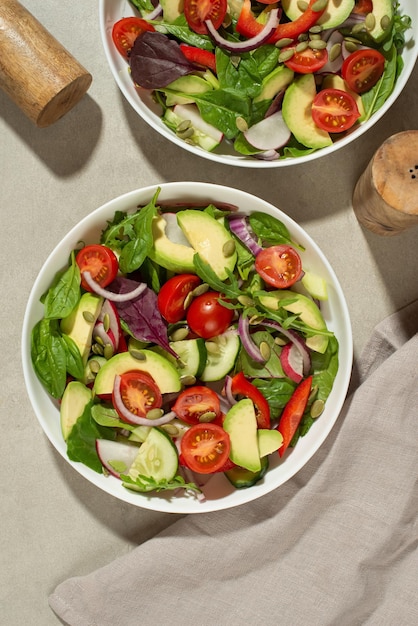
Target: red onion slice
(132, 418)
(113, 297)
(240, 228)
(250, 347)
(158, 10)
(249, 44)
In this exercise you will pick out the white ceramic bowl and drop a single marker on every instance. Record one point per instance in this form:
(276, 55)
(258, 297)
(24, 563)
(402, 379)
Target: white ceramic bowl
(111, 11)
(219, 493)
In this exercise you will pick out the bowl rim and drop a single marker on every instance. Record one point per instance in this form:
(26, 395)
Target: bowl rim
(42, 403)
(117, 67)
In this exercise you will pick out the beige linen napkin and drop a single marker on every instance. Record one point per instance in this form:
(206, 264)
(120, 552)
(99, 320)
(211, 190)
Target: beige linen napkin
(335, 546)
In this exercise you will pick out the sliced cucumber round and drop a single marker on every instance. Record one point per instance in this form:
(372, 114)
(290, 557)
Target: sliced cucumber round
(193, 355)
(242, 478)
(222, 352)
(157, 459)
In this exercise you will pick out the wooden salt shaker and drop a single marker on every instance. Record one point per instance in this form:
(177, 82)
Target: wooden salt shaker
(36, 71)
(385, 199)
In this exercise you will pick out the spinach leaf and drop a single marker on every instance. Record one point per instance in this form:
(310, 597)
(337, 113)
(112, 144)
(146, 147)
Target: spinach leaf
(272, 369)
(325, 368)
(221, 107)
(375, 98)
(181, 30)
(277, 392)
(64, 294)
(132, 234)
(243, 77)
(49, 356)
(269, 229)
(266, 58)
(81, 442)
(74, 362)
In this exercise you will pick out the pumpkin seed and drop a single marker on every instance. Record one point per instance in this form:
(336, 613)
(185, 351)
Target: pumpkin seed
(370, 21)
(245, 300)
(154, 414)
(89, 317)
(188, 300)
(97, 349)
(335, 52)
(106, 322)
(302, 5)
(319, 5)
(180, 363)
(241, 124)
(137, 354)
(351, 46)
(185, 134)
(385, 22)
(314, 36)
(94, 366)
(286, 55)
(265, 350)
(228, 249)
(209, 416)
(184, 125)
(317, 408)
(212, 347)
(200, 289)
(108, 351)
(316, 28)
(313, 393)
(282, 43)
(187, 379)
(280, 341)
(303, 37)
(358, 28)
(317, 44)
(99, 340)
(255, 319)
(301, 46)
(179, 334)
(171, 429)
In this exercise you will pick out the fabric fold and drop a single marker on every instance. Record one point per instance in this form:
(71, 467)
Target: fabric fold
(334, 546)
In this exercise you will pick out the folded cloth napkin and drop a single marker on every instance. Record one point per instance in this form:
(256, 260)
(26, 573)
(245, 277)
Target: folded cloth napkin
(335, 546)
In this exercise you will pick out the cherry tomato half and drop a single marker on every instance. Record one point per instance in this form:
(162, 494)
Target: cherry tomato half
(196, 401)
(307, 61)
(139, 393)
(126, 30)
(334, 110)
(363, 7)
(362, 69)
(100, 261)
(242, 387)
(279, 266)
(197, 11)
(205, 448)
(172, 295)
(208, 318)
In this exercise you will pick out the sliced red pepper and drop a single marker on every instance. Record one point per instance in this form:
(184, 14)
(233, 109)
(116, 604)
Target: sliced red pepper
(240, 386)
(293, 412)
(206, 58)
(248, 26)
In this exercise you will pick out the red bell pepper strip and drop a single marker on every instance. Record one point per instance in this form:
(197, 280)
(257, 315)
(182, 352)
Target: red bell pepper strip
(206, 58)
(248, 26)
(240, 386)
(293, 412)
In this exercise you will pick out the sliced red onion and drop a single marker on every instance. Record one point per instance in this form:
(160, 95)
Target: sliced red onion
(269, 133)
(227, 390)
(132, 418)
(109, 309)
(294, 337)
(107, 337)
(249, 44)
(112, 452)
(240, 228)
(114, 297)
(250, 347)
(292, 362)
(158, 10)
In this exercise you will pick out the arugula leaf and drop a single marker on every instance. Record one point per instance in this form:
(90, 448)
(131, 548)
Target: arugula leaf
(49, 356)
(81, 442)
(64, 294)
(142, 5)
(206, 273)
(147, 483)
(132, 234)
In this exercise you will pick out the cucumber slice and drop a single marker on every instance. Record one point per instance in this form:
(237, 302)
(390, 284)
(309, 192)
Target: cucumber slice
(192, 353)
(157, 459)
(221, 356)
(242, 478)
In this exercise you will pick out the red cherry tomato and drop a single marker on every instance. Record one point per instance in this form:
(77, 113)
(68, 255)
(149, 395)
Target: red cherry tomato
(208, 318)
(139, 392)
(334, 110)
(197, 11)
(206, 58)
(242, 387)
(293, 412)
(279, 266)
(362, 69)
(363, 7)
(100, 261)
(307, 61)
(205, 448)
(172, 295)
(126, 30)
(194, 402)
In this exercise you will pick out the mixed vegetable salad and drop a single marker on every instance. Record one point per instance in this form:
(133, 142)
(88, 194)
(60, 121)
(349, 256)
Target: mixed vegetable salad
(275, 79)
(188, 341)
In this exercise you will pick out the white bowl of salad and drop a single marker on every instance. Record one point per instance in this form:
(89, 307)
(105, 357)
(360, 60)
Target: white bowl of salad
(260, 84)
(193, 351)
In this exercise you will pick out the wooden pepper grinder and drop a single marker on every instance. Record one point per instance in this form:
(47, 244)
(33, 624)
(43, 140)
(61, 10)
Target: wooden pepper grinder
(36, 71)
(385, 199)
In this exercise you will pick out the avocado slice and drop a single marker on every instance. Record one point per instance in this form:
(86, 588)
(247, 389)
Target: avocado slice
(297, 113)
(274, 82)
(336, 12)
(79, 325)
(74, 400)
(268, 441)
(172, 9)
(159, 368)
(208, 237)
(383, 14)
(176, 257)
(305, 309)
(241, 425)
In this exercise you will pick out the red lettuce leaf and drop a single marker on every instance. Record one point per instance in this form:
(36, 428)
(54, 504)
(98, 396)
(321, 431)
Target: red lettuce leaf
(156, 61)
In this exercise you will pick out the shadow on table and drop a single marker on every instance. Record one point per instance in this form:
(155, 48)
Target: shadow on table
(66, 146)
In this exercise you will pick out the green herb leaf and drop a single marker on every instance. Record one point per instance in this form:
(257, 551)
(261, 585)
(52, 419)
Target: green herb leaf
(81, 442)
(206, 273)
(63, 296)
(269, 229)
(49, 357)
(74, 361)
(147, 483)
